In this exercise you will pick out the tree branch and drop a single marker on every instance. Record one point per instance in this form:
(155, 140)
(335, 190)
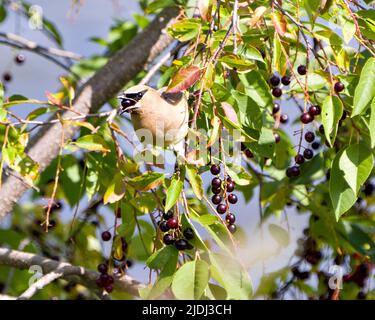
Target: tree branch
(51, 268)
(119, 70)
(33, 46)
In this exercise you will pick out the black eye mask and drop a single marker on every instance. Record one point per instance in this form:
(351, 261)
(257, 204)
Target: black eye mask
(130, 99)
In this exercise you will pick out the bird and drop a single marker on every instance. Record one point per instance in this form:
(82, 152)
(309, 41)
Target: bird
(163, 115)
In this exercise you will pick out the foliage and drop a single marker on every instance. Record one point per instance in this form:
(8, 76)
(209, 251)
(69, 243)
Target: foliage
(227, 67)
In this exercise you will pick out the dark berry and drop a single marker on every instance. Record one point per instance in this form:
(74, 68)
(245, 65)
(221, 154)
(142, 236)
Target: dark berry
(249, 154)
(163, 225)
(368, 189)
(106, 236)
(299, 159)
(232, 198)
(276, 108)
(230, 218)
(315, 110)
(188, 233)
(216, 190)
(315, 145)
(293, 171)
(277, 137)
(321, 129)
(216, 199)
(344, 115)
(216, 182)
(285, 80)
(168, 239)
(221, 208)
(181, 244)
(7, 76)
(230, 186)
(109, 288)
(106, 280)
(99, 282)
(172, 223)
(306, 118)
(309, 136)
(339, 86)
(102, 268)
(168, 215)
(302, 70)
(277, 92)
(232, 228)
(284, 118)
(129, 263)
(308, 154)
(275, 80)
(361, 296)
(20, 58)
(215, 169)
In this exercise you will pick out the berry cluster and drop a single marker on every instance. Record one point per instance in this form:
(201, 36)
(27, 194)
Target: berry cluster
(173, 236)
(222, 190)
(119, 265)
(275, 81)
(305, 118)
(19, 59)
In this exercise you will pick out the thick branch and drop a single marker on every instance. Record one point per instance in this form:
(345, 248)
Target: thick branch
(23, 260)
(108, 81)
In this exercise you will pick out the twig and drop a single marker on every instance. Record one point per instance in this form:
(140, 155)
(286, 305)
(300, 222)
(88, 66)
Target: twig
(45, 55)
(33, 46)
(40, 284)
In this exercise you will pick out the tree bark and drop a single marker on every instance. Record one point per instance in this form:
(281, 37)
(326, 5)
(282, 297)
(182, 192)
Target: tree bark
(107, 82)
(24, 260)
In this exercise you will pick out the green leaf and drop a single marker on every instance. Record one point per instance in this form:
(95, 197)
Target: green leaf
(257, 88)
(250, 113)
(147, 181)
(350, 168)
(160, 258)
(365, 90)
(195, 181)
(3, 13)
(116, 189)
(266, 143)
(166, 260)
(191, 280)
(174, 190)
(185, 30)
(332, 110)
(356, 164)
(371, 124)
(93, 143)
(279, 234)
(233, 61)
(232, 276)
(1, 95)
(159, 4)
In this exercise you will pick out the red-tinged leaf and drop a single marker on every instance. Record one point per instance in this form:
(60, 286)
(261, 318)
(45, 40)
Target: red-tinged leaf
(55, 98)
(279, 23)
(230, 113)
(184, 79)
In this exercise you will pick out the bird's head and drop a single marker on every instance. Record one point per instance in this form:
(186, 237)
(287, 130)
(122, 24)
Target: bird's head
(129, 99)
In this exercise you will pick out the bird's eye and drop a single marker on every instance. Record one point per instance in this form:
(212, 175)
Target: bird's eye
(126, 103)
(139, 95)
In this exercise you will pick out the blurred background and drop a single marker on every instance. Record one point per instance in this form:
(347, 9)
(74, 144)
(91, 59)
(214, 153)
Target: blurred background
(78, 23)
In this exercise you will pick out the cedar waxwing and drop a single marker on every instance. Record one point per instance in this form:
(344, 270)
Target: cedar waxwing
(164, 115)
